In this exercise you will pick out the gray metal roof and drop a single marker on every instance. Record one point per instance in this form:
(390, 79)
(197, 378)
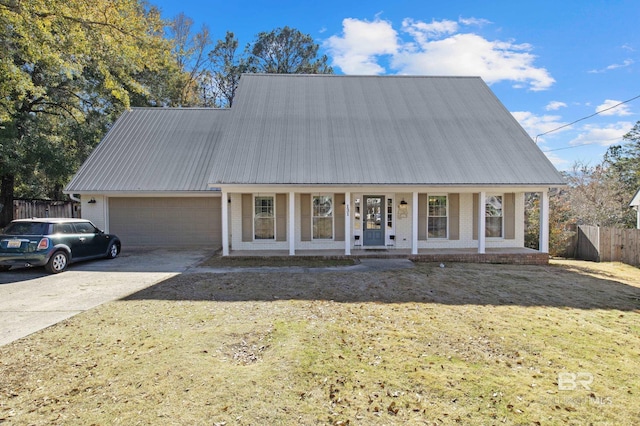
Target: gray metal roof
(154, 149)
(320, 129)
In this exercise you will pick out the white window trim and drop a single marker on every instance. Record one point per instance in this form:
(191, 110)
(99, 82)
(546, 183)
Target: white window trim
(253, 222)
(333, 216)
(501, 237)
(429, 216)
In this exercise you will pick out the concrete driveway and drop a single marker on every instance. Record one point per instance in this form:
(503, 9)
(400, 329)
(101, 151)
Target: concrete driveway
(31, 300)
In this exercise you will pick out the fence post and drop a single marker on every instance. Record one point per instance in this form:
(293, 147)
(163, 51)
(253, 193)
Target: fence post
(598, 247)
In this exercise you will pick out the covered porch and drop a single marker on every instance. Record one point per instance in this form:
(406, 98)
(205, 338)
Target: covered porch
(422, 223)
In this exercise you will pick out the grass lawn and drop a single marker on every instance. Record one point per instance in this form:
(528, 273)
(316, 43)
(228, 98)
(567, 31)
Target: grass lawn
(466, 344)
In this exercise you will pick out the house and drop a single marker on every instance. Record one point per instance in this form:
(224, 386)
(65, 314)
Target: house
(323, 163)
(635, 204)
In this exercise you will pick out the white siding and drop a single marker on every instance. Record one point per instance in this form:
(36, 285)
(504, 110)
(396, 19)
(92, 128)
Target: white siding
(96, 212)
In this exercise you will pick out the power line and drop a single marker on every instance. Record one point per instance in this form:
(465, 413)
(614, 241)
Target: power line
(584, 118)
(582, 144)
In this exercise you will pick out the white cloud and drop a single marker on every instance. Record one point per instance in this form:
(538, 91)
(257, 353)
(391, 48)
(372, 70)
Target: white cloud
(422, 32)
(538, 124)
(603, 136)
(479, 22)
(555, 105)
(435, 48)
(557, 161)
(607, 108)
(361, 43)
(624, 64)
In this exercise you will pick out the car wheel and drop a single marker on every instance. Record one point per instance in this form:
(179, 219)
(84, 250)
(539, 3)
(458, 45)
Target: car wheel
(113, 251)
(57, 263)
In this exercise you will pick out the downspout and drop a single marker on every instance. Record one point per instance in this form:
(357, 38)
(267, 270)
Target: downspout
(73, 208)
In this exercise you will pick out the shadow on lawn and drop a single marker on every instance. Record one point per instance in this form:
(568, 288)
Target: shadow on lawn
(456, 284)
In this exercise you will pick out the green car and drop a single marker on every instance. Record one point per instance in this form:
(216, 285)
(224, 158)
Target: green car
(54, 243)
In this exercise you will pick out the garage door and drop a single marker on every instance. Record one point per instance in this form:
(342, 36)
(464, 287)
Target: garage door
(176, 222)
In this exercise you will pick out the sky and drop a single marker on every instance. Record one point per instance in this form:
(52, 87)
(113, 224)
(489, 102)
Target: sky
(551, 63)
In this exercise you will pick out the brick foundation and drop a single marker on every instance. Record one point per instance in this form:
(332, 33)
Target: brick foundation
(531, 258)
(507, 258)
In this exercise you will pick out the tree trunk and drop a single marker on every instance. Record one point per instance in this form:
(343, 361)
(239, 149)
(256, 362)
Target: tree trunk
(57, 193)
(6, 199)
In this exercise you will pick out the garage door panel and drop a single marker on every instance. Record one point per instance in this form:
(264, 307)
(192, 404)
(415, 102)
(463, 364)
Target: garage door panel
(166, 221)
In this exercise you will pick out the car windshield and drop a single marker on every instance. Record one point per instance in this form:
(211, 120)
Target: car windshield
(26, 228)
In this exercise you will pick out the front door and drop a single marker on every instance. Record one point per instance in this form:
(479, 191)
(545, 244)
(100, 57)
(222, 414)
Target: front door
(373, 234)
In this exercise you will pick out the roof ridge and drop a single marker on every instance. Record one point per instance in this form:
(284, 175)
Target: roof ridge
(358, 76)
(178, 108)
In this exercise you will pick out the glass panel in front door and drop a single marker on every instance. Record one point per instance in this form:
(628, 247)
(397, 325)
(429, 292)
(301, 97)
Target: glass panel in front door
(374, 221)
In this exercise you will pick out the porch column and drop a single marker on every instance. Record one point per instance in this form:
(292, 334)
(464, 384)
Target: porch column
(347, 224)
(224, 202)
(105, 213)
(544, 222)
(292, 224)
(482, 221)
(414, 224)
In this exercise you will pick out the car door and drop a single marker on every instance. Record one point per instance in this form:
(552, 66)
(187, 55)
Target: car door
(91, 242)
(64, 233)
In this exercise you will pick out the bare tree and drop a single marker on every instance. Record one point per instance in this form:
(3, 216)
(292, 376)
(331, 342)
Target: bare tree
(226, 67)
(597, 196)
(190, 52)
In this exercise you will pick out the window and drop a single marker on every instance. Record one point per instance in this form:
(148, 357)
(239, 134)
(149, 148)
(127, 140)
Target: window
(264, 218)
(62, 228)
(84, 228)
(322, 217)
(493, 214)
(26, 228)
(437, 221)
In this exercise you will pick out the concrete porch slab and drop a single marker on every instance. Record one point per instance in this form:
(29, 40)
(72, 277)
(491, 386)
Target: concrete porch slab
(517, 255)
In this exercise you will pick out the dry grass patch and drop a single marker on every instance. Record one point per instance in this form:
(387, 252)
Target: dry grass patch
(465, 344)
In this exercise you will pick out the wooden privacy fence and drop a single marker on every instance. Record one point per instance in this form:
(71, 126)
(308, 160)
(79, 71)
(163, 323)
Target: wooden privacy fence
(608, 244)
(24, 209)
